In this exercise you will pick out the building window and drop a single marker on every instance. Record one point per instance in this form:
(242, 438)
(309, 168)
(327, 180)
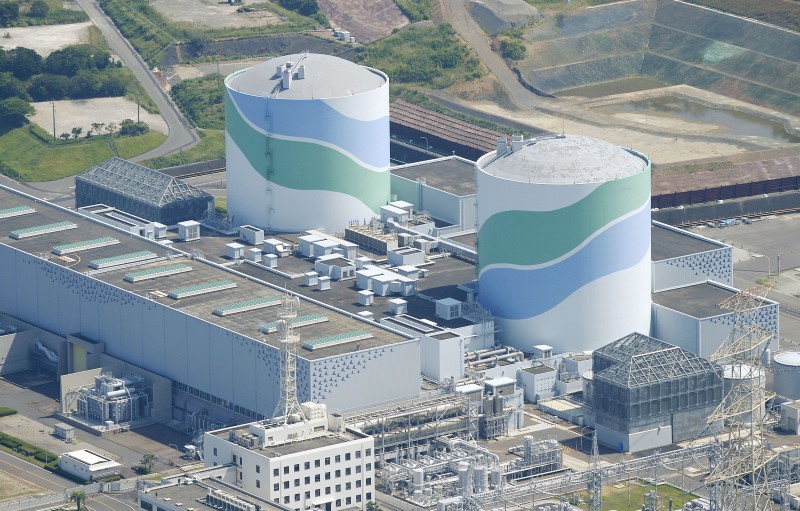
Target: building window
(347, 486)
(215, 463)
(307, 480)
(369, 452)
(215, 451)
(358, 498)
(307, 494)
(338, 473)
(338, 502)
(297, 482)
(297, 497)
(358, 454)
(297, 467)
(338, 488)
(276, 487)
(258, 483)
(369, 481)
(286, 499)
(358, 469)
(240, 476)
(275, 472)
(234, 458)
(316, 463)
(286, 469)
(369, 495)
(337, 458)
(307, 465)
(348, 500)
(327, 490)
(258, 469)
(317, 492)
(316, 478)
(327, 476)
(347, 456)
(146, 505)
(327, 461)
(240, 461)
(358, 483)
(369, 467)
(347, 471)
(285, 485)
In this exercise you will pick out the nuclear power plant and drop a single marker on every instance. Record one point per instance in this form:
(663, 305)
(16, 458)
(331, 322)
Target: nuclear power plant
(307, 143)
(440, 333)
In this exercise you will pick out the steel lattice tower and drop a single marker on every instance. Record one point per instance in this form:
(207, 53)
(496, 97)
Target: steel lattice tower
(595, 483)
(740, 479)
(288, 408)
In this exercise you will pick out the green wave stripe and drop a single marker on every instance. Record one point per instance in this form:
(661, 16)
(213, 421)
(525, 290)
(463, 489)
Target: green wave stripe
(307, 166)
(536, 237)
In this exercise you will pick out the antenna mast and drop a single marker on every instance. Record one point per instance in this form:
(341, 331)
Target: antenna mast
(288, 409)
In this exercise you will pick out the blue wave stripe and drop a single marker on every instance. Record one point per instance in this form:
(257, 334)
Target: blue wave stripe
(366, 140)
(621, 246)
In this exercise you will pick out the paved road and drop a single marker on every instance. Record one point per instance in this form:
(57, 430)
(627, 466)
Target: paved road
(455, 12)
(33, 474)
(181, 135)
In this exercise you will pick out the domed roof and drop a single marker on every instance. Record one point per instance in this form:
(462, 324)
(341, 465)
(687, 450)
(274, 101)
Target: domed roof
(325, 77)
(564, 159)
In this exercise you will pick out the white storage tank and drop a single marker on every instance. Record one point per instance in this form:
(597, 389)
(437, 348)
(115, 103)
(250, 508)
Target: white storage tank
(564, 241)
(743, 374)
(786, 366)
(307, 145)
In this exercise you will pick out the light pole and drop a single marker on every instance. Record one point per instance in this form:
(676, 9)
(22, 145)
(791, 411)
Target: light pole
(779, 265)
(769, 266)
(177, 453)
(427, 146)
(582, 435)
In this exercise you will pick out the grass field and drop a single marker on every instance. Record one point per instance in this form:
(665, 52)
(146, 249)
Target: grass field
(211, 146)
(31, 159)
(616, 496)
(221, 205)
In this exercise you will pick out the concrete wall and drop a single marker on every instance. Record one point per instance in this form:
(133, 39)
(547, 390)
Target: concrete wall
(716, 265)
(690, 424)
(15, 352)
(634, 442)
(437, 203)
(676, 328)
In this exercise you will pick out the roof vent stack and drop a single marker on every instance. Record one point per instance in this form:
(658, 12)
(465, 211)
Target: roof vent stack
(502, 146)
(287, 78)
(301, 72)
(516, 142)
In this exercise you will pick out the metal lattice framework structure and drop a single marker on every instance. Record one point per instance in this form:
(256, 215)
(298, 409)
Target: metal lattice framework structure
(595, 483)
(140, 191)
(658, 366)
(746, 473)
(288, 408)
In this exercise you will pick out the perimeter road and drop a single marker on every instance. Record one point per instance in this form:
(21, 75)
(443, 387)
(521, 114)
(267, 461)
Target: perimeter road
(181, 135)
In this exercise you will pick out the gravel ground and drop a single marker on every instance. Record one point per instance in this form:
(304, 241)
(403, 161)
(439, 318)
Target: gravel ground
(84, 112)
(366, 20)
(215, 14)
(45, 39)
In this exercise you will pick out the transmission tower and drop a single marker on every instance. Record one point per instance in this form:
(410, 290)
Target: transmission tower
(595, 482)
(288, 409)
(740, 478)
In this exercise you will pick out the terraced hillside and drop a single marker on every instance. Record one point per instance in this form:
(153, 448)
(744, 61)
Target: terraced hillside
(671, 42)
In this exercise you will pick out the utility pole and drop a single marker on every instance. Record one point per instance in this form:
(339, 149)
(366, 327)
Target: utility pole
(53, 104)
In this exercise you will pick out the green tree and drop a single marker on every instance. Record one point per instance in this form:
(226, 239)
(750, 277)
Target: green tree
(9, 13)
(73, 59)
(76, 132)
(47, 87)
(39, 9)
(78, 497)
(147, 462)
(84, 85)
(14, 112)
(373, 506)
(304, 7)
(112, 84)
(129, 128)
(24, 63)
(11, 87)
(513, 50)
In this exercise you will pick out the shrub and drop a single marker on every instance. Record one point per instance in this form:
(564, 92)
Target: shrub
(513, 50)
(6, 411)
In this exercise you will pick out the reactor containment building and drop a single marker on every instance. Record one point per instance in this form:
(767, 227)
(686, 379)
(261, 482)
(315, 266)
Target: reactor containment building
(564, 241)
(307, 143)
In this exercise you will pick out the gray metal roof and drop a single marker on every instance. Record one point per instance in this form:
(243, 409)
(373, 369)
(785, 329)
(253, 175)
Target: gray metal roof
(565, 159)
(139, 182)
(325, 77)
(644, 360)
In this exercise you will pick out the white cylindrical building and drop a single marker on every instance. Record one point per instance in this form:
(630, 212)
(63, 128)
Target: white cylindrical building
(786, 366)
(564, 241)
(734, 375)
(307, 143)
